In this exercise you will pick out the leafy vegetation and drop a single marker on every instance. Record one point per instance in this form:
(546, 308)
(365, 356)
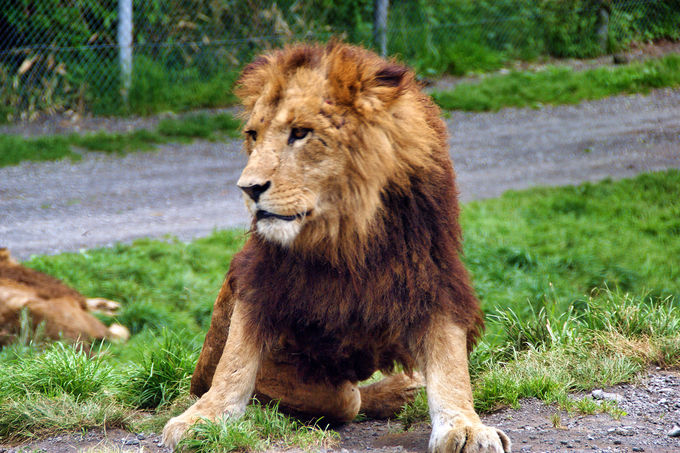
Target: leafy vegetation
(575, 282)
(15, 149)
(560, 85)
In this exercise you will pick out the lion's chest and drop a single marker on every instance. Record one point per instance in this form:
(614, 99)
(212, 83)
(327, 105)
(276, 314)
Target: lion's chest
(335, 323)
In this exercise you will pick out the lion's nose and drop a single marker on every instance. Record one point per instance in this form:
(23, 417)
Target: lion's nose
(256, 190)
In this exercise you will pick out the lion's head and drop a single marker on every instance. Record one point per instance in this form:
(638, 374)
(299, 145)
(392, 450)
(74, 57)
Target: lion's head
(327, 129)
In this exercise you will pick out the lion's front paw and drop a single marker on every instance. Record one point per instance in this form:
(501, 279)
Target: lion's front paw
(176, 428)
(469, 438)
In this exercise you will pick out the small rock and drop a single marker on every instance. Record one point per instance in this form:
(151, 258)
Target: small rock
(663, 401)
(638, 449)
(624, 431)
(141, 436)
(131, 442)
(617, 442)
(674, 432)
(602, 395)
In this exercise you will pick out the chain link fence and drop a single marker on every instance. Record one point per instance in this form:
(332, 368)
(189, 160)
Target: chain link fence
(58, 55)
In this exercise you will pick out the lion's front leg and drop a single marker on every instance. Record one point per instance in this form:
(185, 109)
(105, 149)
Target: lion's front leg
(232, 385)
(456, 427)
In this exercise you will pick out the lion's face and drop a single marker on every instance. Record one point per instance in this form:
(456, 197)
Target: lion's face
(295, 162)
(327, 130)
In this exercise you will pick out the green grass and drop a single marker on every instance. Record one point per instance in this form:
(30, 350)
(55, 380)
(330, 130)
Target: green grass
(209, 127)
(59, 370)
(259, 429)
(560, 85)
(156, 89)
(163, 373)
(548, 247)
(15, 149)
(576, 283)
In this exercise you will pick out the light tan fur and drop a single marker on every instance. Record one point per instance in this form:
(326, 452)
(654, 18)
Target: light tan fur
(334, 193)
(455, 424)
(233, 384)
(64, 317)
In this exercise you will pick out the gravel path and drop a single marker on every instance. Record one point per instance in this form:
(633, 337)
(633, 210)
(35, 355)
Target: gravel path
(652, 410)
(189, 190)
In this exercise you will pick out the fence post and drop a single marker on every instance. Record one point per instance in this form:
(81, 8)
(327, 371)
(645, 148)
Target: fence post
(125, 45)
(380, 25)
(603, 29)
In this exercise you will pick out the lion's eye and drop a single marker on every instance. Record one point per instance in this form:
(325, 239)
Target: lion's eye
(252, 134)
(298, 133)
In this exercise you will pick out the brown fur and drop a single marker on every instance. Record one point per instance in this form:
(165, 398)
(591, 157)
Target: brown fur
(64, 312)
(354, 261)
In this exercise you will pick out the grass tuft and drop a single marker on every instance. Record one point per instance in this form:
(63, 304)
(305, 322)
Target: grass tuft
(162, 374)
(37, 415)
(15, 149)
(61, 369)
(261, 427)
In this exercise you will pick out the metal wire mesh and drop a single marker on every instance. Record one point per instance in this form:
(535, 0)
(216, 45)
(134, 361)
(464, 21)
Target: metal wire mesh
(64, 54)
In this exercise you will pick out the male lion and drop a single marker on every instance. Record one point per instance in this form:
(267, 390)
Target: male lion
(354, 263)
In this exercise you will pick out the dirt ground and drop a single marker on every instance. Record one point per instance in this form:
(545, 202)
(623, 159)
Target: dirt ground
(189, 190)
(652, 408)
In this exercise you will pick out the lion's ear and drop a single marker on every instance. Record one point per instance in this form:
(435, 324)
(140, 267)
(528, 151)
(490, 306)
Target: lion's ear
(391, 75)
(344, 74)
(390, 81)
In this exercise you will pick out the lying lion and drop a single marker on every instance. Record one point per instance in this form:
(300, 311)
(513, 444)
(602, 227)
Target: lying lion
(353, 265)
(64, 312)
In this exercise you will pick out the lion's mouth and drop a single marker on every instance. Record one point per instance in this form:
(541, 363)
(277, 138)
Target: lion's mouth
(261, 214)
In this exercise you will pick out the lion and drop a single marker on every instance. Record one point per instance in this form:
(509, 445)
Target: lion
(65, 313)
(353, 264)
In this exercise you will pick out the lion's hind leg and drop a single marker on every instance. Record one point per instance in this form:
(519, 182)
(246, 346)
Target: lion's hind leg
(280, 382)
(385, 398)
